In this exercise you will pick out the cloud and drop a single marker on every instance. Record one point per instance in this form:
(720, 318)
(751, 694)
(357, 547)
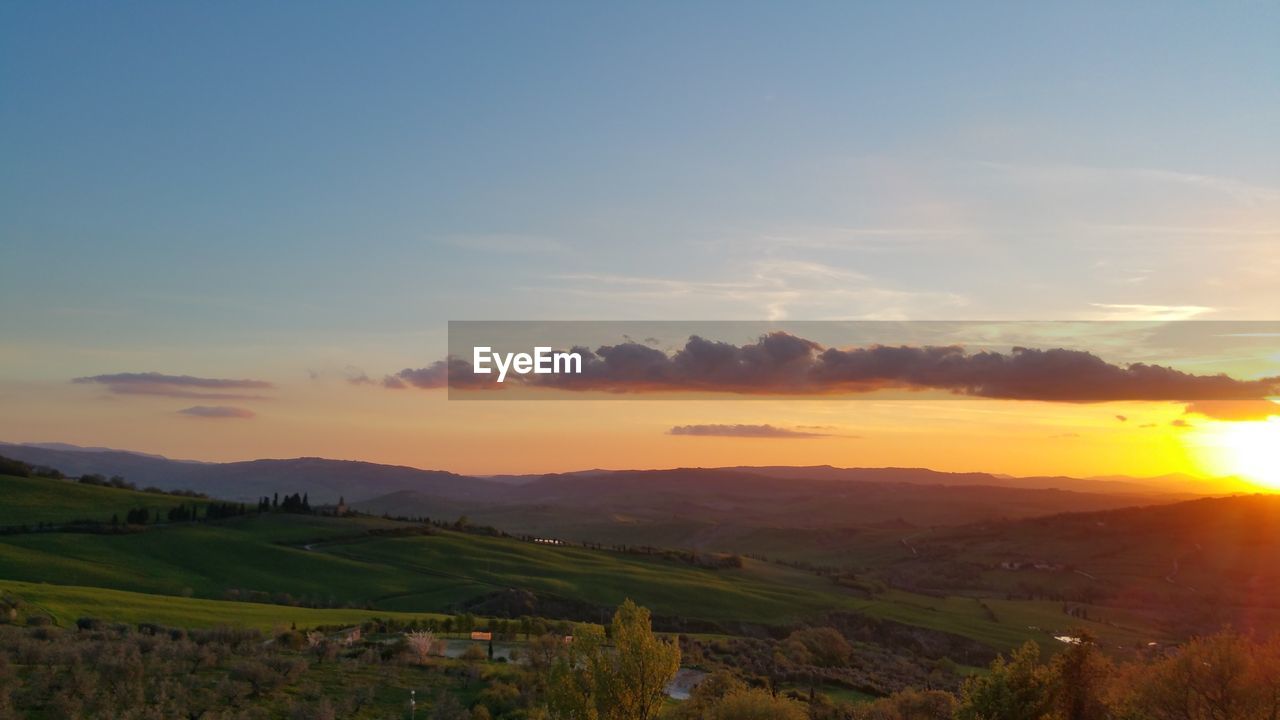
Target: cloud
(217, 411)
(775, 289)
(1238, 410)
(178, 386)
(438, 374)
(782, 364)
(744, 431)
(1180, 423)
(435, 375)
(1122, 418)
(356, 376)
(1160, 313)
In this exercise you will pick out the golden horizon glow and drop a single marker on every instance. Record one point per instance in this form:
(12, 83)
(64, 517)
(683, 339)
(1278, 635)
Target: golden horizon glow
(1250, 450)
(333, 418)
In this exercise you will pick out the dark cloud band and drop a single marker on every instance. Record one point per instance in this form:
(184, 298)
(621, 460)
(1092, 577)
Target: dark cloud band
(178, 386)
(783, 364)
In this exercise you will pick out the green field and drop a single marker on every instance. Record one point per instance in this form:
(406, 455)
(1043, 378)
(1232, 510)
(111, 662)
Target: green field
(28, 501)
(345, 565)
(270, 554)
(183, 573)
(65, 604)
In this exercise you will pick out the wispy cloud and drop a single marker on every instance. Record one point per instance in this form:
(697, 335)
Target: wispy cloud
(218, 412)
(775, 289)
(744, 431)
(1158, 313)
(1238, 410)
(1102, 176)
(356, 376)
(178, 386)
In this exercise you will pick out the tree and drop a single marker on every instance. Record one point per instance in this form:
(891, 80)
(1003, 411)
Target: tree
(447, 707)
(628, 682)
(464, 623)
(543, 651)
(421, 644)
(322, 710)
(473, 654)
(639, 669)
(571, 681)
(825, 646)
(707, 694)
(1213, 678)
(1080, 675)
(910, 704)
(1265, 671)
(755, 704)
(8, 683)
(1019, 688)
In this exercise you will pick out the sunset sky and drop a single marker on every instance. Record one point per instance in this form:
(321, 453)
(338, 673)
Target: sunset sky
(302, 196)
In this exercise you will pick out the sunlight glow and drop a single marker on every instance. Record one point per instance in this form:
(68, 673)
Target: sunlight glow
(1250, 450)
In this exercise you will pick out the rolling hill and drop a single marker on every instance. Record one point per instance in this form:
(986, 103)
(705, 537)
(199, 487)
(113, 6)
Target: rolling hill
(736, 511)
(327, 479)
(33, 501)
(1175, 484)
(1128, 574)
(1192, 566)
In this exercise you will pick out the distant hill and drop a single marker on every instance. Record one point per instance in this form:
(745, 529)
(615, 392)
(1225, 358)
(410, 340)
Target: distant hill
(1186, 486)
(325, 480)
(1171, 484)
(914, 552)
(700, 507)
(81, 448)
(736, 511)
(1196, 565)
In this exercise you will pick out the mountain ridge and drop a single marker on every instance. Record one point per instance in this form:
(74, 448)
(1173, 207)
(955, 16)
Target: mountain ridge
(328, 479)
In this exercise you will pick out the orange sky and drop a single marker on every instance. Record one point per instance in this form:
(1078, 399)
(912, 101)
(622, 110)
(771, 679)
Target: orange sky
(333, 418)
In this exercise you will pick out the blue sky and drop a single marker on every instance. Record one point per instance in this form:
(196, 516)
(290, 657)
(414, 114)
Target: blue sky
(239, 189)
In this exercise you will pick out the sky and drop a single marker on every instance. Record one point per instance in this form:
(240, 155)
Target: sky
(304, 194)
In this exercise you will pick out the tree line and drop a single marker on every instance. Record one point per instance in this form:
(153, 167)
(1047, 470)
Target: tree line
(295, 503)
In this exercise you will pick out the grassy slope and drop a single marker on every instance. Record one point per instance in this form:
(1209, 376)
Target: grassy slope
(338, 561)
(205, 560)
(431, 573)
(1175, 553)
(402, 573)
(65, 604)
(27, 501)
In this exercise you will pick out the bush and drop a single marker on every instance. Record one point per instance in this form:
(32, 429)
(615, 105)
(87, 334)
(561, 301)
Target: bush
(756, 704)
(88, 623)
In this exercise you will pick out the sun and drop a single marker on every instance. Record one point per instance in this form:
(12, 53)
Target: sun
(1250, 450)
